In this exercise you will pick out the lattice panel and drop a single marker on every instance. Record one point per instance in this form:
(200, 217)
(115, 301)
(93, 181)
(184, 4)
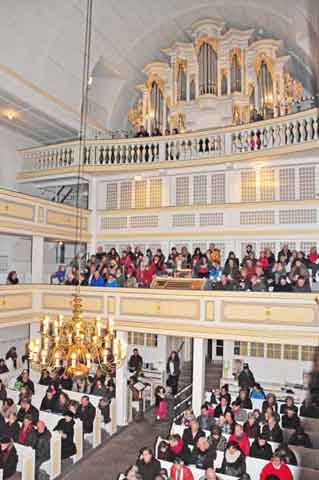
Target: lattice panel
(200, 190)
(287, 187)
(182, 191)
(140, 194)
(141, 246)
(183, 220)
(155, 192)
(270, 245)
(307, 182)
(154, 247)
(291, 245)
(111, 196)
(262, 217)
(145, 221)
(4, 264)
(298, 216)
(267, 184)
(210, 219)
(113, 223)
(201, 245)
(248, 186)
(306, 246)
(218, 188)
(126, 195)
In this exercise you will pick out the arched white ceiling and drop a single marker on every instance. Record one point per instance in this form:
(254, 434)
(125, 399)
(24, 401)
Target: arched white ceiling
(42, 41)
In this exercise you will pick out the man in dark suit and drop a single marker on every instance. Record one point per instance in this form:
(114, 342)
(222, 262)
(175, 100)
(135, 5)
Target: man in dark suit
(86, 412)
(192, 434)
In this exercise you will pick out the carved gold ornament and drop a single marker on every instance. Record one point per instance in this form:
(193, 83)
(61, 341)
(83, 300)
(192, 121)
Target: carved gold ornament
(213, 42)
(135, 114)
(263, 57)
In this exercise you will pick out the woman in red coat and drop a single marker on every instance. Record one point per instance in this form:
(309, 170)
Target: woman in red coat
(242, 440)
(277, 468)
(179, 470)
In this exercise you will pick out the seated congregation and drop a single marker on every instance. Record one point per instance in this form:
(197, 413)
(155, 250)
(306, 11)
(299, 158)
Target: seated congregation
(30, 414)
(289, 271)
(232, 438)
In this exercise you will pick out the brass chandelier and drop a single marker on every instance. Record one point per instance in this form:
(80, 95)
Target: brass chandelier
(77, 345)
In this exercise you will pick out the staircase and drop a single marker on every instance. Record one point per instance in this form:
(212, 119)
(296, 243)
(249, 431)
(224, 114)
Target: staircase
(214, 372)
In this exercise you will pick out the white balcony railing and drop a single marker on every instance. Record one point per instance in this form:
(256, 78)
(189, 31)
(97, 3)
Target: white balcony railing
(293, 129)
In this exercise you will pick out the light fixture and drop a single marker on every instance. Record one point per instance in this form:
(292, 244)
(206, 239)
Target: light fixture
(78, 344)
(10, 115)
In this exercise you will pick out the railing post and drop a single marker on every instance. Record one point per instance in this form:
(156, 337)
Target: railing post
(162, 151)
(228, 143)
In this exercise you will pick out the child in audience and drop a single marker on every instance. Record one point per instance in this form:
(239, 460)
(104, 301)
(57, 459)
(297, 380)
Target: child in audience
(277, 468)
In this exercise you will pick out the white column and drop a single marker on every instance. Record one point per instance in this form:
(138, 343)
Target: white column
(228, 359)
(121, 388)
(164, 116)
(187, 349)
(198, 374)
(93, 192)
(37, 259)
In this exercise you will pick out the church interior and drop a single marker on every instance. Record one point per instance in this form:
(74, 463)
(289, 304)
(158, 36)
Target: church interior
(159, 253)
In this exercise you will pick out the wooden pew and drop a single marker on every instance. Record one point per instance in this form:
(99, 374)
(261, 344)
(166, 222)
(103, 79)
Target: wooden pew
(26, 461)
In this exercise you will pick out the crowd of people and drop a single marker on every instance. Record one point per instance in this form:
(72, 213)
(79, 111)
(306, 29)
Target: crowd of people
(20, 422)
(289, 271)
(235, 429)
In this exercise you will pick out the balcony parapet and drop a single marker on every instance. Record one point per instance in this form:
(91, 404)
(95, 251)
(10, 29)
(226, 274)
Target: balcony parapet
(286, 318)
(297, 129)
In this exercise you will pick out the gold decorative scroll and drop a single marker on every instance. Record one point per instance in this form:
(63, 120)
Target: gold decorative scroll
(135, 114)
(213, 42)
(180, 62)
(236, 51)
(264, 57)
(159, 81)
(293, 88)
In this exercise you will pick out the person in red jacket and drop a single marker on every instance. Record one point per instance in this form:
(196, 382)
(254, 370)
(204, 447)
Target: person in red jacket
(277, 468)
(180, 471)
(242, 440)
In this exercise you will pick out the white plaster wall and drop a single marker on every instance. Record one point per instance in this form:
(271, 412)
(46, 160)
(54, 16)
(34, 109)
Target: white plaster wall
(16, 336)
(18, 251)
(10, 162)
(278, 371)
(157, 356)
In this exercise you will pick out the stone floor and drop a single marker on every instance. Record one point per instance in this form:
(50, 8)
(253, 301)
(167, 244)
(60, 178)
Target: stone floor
(119, 452)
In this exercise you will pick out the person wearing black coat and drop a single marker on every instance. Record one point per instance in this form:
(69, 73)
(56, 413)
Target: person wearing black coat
(13, 427)
(234, 463)
(287, 454)
(246, 379)
(43, 447)
(135, 362)
(27, 434)
(48, 403)
(66, 427)
(260, 448)
(290, 419)
(243, 400)
(173, 371)
(8, 458)
(272, 431)
(222, 408)
(300, 438)
(26, 380)
(28, 409)
(66, 382)
(147, 465)
(86, 412)
(192, 434)
(45, 378)
(204, 454)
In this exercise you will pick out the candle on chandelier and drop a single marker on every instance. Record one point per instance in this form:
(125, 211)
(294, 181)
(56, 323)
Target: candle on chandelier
(70, 338)
(56, 327)
(61, 318)
(43, 357)
(78, 328)
(88, 360)
(111, 325)
(104, 356)
(57, 359)
(98, 326)
(73, 360)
